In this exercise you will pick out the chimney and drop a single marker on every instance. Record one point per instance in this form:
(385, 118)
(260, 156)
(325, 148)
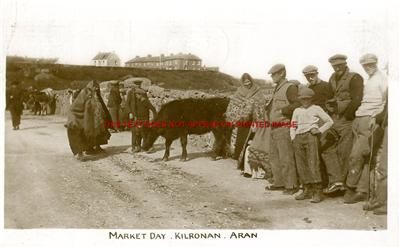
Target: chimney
(149, 56)
(162, 55)
(137, 56)
(171, 54)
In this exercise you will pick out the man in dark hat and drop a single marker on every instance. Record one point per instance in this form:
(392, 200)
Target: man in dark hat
(14, 104)
(138, 105)
(280, 110)
(348, 91)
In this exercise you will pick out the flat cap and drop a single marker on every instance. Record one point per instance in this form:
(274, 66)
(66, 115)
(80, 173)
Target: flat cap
(276, 68)
(338, 59)
(310, 69)
(368, 58)
(305, 92)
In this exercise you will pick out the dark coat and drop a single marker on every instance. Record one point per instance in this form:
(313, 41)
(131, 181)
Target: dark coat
(139, 105)
(114, 99)
(14, 100)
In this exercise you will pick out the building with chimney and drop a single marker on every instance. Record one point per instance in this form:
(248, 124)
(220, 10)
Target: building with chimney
(172, 62)
(106, 59)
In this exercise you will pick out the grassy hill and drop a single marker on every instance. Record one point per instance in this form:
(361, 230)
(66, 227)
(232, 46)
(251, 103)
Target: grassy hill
(59, 76)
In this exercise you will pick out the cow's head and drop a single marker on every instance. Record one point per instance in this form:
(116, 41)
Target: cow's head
(150, 137)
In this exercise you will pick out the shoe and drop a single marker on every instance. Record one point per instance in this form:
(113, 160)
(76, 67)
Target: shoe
(99, 150)
(352, 198)
(348, 195)
(79, 157)
(138, 149)
(371, 205)
(17, 127)
(382, 210)
(14, 128)
(273, 187)
(90, 152)
(247, 175)
(335, 187)
(316, 196)
(305, 194)
(290, 191)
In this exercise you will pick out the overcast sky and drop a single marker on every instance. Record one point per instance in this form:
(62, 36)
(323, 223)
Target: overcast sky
(237, 36)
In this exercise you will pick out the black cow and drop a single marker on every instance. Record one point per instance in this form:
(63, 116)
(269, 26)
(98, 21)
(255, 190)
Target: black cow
(190, 112)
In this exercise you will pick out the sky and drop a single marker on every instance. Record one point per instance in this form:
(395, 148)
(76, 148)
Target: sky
(237, 36)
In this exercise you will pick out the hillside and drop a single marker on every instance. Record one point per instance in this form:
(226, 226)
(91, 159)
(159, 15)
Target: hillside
(59, 76)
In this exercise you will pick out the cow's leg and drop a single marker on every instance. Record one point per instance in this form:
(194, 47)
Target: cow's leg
(184, 144)
(168, 143)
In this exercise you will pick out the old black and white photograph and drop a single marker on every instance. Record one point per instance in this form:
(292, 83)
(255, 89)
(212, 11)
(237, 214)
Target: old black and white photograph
(209, 121)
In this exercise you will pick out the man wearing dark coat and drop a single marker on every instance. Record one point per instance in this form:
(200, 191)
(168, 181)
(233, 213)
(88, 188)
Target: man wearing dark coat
(14, 104)
(138, 105)
(347, 89)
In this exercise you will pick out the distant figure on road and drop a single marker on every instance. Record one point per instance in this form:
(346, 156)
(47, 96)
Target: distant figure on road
(14, 104)
(87, 122)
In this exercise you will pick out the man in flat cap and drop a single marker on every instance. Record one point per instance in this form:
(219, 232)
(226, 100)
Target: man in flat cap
(348, 91)
(323, 90)
(138, 105)
(114, 104)
(372, 104)
(280, 110)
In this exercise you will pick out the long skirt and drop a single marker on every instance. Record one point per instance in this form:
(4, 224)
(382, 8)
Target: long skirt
(77, 140)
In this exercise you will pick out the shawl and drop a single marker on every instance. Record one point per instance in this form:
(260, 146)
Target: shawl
(243, 103)
(89, 113)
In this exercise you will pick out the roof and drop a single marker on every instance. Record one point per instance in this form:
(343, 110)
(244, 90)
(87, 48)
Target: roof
(164, 58)
(101, 56)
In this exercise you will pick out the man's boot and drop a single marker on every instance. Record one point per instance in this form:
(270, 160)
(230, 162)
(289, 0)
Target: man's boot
(382, 210)
(138, 143)
(351, 196)
(317, 195)
(306, 194)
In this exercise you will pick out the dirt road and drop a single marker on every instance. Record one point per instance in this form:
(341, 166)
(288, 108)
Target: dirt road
(45, 187)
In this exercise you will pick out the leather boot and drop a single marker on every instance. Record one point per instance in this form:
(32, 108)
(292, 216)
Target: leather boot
(317, 196)
(306, 194)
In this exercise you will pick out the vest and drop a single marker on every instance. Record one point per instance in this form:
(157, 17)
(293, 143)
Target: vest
(279, 100)
(341, 90)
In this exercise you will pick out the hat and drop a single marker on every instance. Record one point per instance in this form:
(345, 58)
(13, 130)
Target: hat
(310, 69)
(338, 59)
(305, 92)
(368, 58)
(137, 82)
(276, 68)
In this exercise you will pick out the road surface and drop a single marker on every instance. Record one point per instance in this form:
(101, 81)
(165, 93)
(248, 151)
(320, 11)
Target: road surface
(46, 187)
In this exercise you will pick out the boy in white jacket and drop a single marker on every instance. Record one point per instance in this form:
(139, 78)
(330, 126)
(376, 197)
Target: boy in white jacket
(305, 136)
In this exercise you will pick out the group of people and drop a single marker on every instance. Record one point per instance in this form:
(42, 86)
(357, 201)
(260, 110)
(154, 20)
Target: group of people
(90, 121)
(339, 136)
(340, 133)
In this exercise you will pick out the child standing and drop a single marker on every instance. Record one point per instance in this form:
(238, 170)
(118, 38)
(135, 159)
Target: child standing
(305, 137)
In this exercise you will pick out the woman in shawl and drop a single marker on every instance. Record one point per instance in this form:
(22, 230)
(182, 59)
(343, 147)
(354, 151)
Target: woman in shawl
(240, 108)
(87, 122)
